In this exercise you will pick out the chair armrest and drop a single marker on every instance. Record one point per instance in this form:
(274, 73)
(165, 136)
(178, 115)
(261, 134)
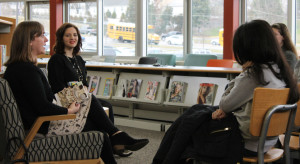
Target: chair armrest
(36, 126)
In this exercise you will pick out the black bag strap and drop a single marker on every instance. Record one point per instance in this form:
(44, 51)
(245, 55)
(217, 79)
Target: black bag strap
(7, 157)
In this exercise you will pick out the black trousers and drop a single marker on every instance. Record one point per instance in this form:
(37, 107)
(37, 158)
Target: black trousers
(97, 120)
(110, 109)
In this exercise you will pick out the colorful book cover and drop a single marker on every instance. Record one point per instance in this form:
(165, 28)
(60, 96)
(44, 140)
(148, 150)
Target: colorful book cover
(134, 88)
(107, 91)
(122, 88)
(151, 91)
(73, 93)
(93, 85)
(177, 91)
(207, 93)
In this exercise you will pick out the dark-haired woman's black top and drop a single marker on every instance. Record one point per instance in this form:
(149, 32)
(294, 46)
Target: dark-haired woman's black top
(61, 71)
(32, 93)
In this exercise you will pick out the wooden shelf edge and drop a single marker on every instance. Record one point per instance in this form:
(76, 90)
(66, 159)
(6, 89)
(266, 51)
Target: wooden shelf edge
(5, 22)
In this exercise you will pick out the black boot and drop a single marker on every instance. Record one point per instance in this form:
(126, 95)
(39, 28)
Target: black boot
(129, 143)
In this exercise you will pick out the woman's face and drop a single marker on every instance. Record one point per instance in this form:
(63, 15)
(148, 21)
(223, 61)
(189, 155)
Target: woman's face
(37, 45)
(70, 38)
(278, 36)
(203, 89)
(178, 88)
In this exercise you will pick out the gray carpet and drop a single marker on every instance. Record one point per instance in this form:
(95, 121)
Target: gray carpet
(146, 154)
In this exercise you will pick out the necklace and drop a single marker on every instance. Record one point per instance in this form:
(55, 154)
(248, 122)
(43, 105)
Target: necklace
(78, 70)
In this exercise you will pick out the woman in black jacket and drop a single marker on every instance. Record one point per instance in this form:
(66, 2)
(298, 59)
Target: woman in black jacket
(67, 65)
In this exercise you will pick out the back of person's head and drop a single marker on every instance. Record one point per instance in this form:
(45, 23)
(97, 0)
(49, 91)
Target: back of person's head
(59, 47)
(255, 42)
(287, 41)
(20, 49)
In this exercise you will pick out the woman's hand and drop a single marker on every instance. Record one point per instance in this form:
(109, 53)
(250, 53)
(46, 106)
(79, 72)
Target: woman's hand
(218, 114)
(73, 108)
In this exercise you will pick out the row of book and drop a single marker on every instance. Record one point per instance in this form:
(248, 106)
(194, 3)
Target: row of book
(131, 88)
(2, 57)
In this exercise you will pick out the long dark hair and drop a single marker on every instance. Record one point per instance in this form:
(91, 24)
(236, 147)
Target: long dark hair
(20, 49)
(59, 47)
(287, 41)
(255, 42)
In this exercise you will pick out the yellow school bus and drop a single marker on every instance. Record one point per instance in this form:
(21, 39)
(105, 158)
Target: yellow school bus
(126, 32)
(221, 36)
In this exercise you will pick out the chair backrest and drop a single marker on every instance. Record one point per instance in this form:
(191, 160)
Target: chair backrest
(227, 63)
(164, 59)
(11, 124)
(198, 59)
(263, 100)
(147, 60)
(110, 59)
(297, 119)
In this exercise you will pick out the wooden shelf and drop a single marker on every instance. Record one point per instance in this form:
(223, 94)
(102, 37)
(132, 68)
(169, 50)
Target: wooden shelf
(7, 26)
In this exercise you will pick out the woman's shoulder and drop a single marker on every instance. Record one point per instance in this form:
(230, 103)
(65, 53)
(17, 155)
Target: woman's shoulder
(56, 58)
(79, 57)
(21, 68)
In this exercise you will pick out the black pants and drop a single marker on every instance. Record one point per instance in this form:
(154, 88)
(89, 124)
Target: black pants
(97, 120)
(111, 113)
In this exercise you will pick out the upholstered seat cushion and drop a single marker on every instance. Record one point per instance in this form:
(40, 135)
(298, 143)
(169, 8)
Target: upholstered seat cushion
(85, 145)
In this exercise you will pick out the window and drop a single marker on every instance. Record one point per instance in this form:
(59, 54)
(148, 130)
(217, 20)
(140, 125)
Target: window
(207, 27)
(165, 19)
(273, 11)
(84, 16)
(120, 40)
(298, 26)
(13, 10)
(39, 11)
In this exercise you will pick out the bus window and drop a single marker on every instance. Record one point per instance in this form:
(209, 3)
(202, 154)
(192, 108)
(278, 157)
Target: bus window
(111, 27)
(123, 28)
(133, 29)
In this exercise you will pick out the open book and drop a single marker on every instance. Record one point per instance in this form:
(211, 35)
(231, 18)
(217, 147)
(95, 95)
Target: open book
(75, 92)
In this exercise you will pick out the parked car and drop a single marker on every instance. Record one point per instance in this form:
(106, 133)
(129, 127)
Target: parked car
(164, 36)
(175, 39)
(88, 30)
(107, 50)
(215, 42)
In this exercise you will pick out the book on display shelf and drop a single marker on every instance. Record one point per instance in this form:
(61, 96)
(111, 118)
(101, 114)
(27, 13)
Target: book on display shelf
(122, 88)
(207, 93)
(93, 82)
(151, 91)
(107, 91)
(134, 88)
(177, 91)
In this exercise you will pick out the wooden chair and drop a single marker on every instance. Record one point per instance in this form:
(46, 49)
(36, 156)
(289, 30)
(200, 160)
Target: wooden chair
(269, 118)
(295, 137)
(82, 148)
(227, 63)
(147, 60)
(198, 59)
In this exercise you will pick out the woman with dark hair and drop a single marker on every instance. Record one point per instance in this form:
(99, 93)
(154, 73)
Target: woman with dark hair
(258, 52)
(67, 65)
(283, 37)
